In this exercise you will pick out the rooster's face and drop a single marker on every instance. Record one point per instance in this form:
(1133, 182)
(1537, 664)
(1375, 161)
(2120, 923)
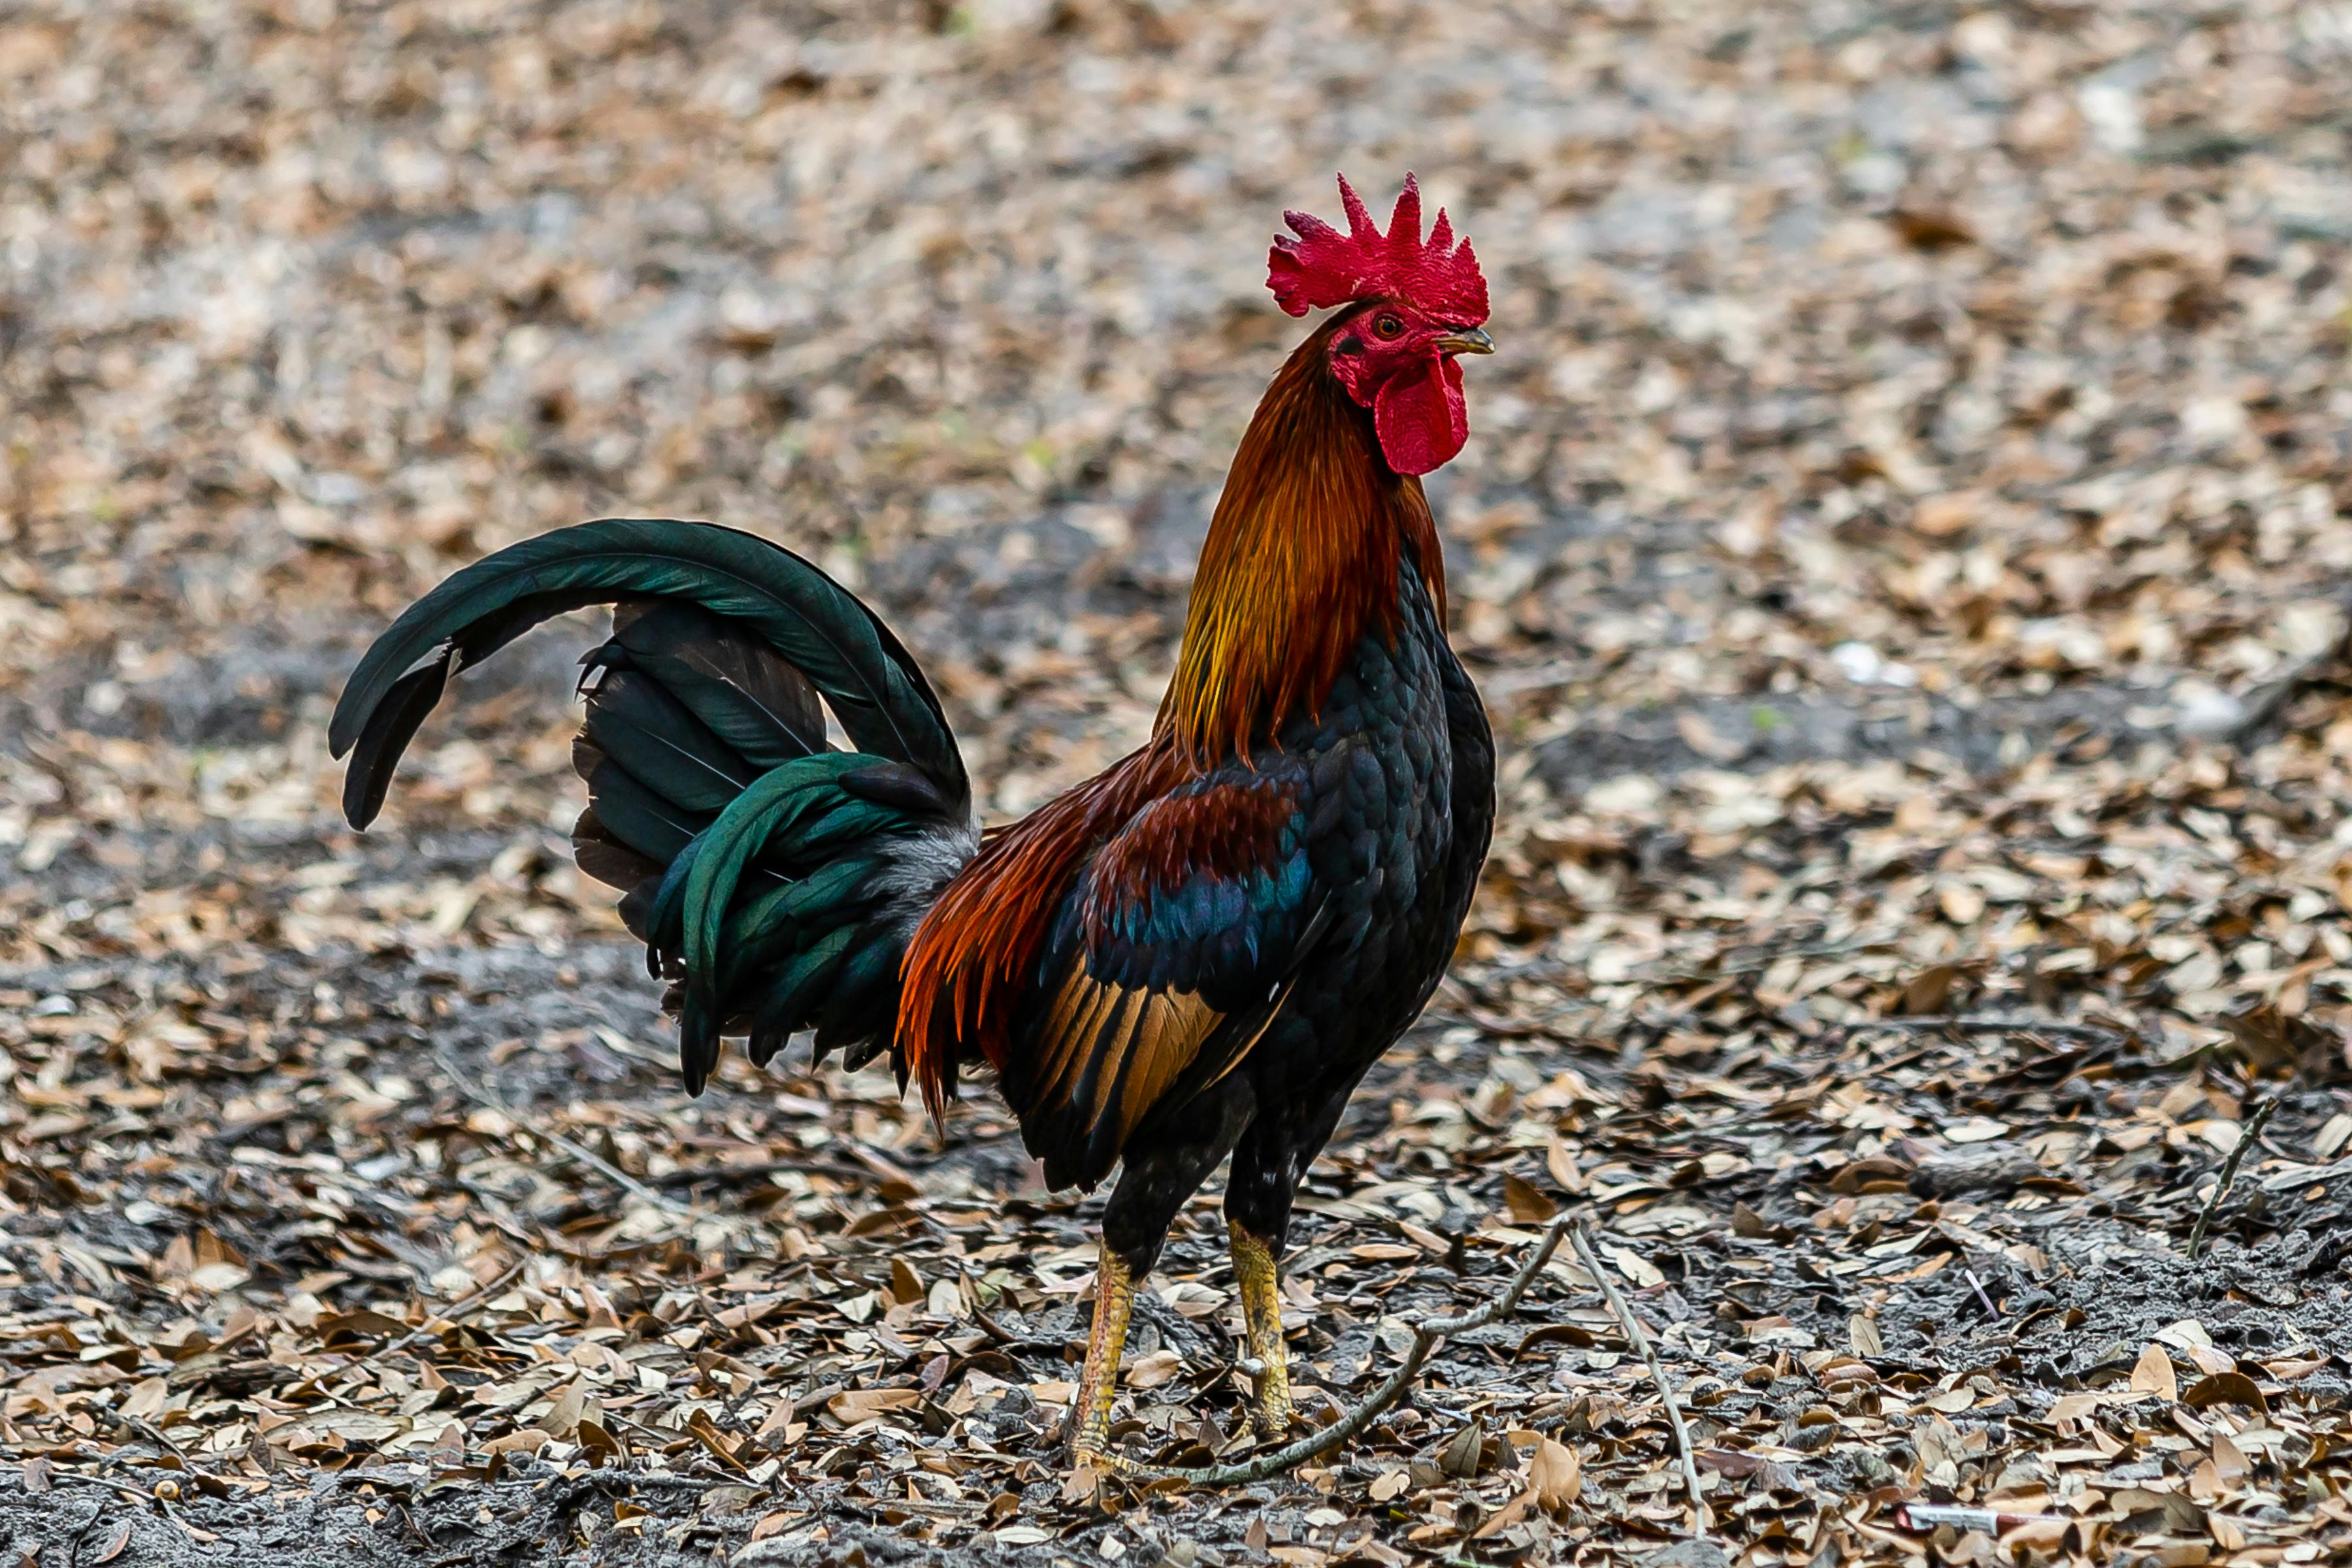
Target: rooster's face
(1399, 363)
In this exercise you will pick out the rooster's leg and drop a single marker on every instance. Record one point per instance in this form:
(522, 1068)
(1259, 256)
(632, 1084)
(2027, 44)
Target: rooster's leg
(1098, 1385)
(1156, 1176)
(1267, 1361)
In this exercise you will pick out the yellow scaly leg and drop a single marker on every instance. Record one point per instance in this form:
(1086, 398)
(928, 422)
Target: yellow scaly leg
(1268, 1362)
(1098, 1384)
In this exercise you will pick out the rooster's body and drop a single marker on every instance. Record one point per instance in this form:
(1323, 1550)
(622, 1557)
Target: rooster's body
(1196, 954)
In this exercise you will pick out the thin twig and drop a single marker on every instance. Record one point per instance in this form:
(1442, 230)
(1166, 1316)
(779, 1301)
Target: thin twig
(1426, 1337)
(1766, 954)
(1978, 1025)
(137, 1494)
(1641, 1341)
(586, 1156)
(2246, 1137)
(154, 1435)
(415, 1528)
(457, 1310)
(732, 1176)
(663, 1479)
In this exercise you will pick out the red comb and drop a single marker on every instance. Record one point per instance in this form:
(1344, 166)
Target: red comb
(1323, 267)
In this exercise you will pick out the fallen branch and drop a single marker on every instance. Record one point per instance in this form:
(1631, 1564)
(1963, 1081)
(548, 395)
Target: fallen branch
(1641, 1341)
(1426, 1337)
(2246, 1137)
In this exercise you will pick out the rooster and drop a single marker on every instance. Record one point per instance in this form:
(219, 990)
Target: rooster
(1196, 954)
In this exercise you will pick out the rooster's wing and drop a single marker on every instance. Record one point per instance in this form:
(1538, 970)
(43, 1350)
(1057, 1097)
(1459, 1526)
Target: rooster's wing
(1166, 962)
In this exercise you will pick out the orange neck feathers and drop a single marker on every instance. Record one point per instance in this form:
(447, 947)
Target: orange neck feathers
(1299, 564)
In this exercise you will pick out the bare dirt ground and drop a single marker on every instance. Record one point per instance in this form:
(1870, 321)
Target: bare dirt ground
(1903, 544)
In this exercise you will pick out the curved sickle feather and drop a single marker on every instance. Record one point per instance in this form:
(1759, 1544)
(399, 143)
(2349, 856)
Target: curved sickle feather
(871, 682)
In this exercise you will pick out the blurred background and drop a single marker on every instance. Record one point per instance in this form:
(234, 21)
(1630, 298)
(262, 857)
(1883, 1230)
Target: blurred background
(1902, 540)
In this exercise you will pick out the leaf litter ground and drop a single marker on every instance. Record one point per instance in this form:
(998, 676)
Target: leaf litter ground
(1903, 548)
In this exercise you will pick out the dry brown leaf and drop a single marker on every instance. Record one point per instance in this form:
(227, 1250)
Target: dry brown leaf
(1509, 1514)
(1463, 1455)
(1637, 1267)
(2154, 1374)
(856, 1404)
(1555, 1475)
(1149, 1372)
(1525, 1202)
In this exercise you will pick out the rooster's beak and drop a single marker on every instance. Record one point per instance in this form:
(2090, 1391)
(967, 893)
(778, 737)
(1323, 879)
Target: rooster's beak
(1466, 341)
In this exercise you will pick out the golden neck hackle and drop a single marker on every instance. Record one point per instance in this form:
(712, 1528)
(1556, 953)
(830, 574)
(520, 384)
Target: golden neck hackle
(1300, 562)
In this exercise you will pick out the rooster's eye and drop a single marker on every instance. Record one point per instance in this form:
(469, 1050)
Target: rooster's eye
(1387, 324)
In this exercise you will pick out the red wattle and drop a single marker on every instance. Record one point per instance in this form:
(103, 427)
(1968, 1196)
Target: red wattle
(1420, 418)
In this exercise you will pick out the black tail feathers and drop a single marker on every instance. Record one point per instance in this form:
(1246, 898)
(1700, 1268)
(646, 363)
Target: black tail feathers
(775, 880)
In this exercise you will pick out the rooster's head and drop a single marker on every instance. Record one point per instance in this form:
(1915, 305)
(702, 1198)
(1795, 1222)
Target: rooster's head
(1411, 306)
